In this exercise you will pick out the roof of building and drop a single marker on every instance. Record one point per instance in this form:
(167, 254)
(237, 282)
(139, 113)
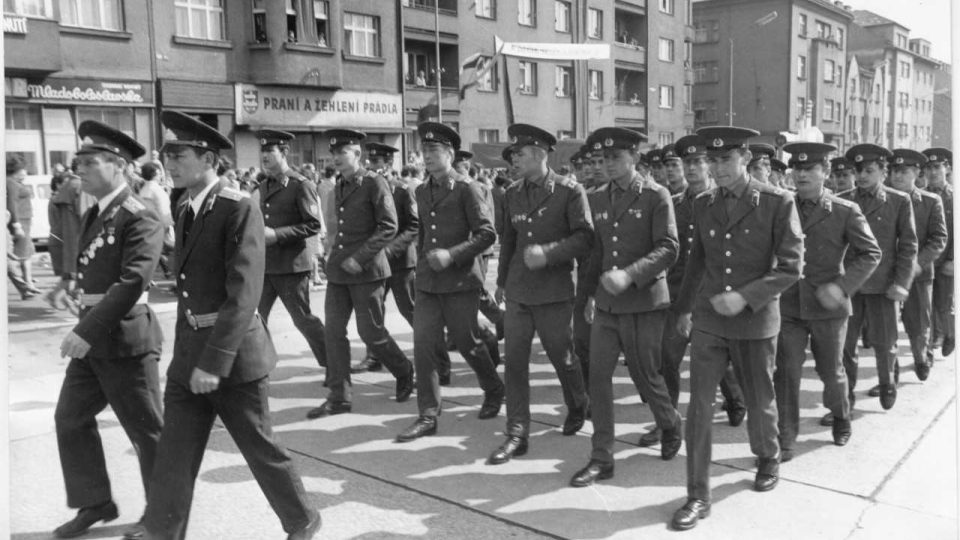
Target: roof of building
(864, 17)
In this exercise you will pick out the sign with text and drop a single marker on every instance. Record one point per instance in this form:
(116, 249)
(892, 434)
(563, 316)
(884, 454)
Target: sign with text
(80, 91)
(553, 51)
(14, 25)
(300, 107)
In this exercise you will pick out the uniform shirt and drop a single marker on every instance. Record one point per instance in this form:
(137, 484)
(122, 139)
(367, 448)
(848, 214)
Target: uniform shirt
(553, 213)
(931, 228)
(455, 217)
(890, 216)
(635, 231)
(755, 249)
(290, 206)
(833, 228)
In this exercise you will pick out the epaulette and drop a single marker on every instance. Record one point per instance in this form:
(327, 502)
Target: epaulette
(292, 174)
(840, 201)
(233, 194)
(846, 193)
(516, 185)
(132, 205)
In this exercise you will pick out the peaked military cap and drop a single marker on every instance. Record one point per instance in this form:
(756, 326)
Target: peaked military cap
(939, 155)
(905, 156)
(691, 146)
(577, 157)
(435, 132)
(840, 164)
(273, 137)
(807, 153)
(462, 155)
(184, 130)
(507, 153)
(762, 151)
(652, 157)
(343, 137)
(527, 135)
(777, 165)
(669, 152)
(593, 144)
(619, 138)
(376, 149)
(867, 152)
(99, 137)
(724, 138)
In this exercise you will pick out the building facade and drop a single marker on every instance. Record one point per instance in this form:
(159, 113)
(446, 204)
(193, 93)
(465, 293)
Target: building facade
(943, 108)
(866, 110)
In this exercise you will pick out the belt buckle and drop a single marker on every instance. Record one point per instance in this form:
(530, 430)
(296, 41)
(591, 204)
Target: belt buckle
(192, 320)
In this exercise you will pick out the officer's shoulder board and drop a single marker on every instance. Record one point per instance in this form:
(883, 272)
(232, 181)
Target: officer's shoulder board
(565, 181)
(233, 194)
(707, 195)
(294, 175)
(679, 198)
(516, 186)
(927, 195)
(840, 201)
(133, 205)
(847, 194)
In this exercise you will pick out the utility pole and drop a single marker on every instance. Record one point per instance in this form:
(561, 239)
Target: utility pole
(436, 37)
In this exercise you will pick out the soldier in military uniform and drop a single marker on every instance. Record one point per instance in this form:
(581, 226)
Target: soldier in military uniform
(653, 159)
(456, 227)
(843, 175)
(547, 225)
(357, 272)
(634, 244)
(778, 174)
(931, 228)
(759, 166)
(114, 349)
(939, 161)
(581, 169)
(581, 328)
(673, 169)
(890, 216)
(222, 354)
(747, 248)
(816, 308)
(461, 162)
(291, 215)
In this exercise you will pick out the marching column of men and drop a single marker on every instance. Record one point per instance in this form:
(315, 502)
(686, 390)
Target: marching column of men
(689, 244)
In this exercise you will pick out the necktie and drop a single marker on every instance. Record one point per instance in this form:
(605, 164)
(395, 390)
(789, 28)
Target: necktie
(188, 220)
(806, 208)
(92, 216)
(729, 200)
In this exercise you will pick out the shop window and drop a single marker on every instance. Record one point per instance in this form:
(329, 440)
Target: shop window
(260, 21)
(118, 118)
(292, 34)
(200, 19)
(321, 21)
(101, 14)
(564, 134)
(22, 118)
(29, 8)
(361, 35)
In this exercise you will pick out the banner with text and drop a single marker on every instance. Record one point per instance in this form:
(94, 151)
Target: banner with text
(301, 107)
(83, 91)
(553, 51)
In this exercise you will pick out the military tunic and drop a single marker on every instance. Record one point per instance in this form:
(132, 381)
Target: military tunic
(943, 319)
(916, 312)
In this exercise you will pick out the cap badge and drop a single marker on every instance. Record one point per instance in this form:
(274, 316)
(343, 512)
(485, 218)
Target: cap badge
(429, 135)
(691, 149)
(899, 160)
(718, 142)
(858, 158)
(513, 139)
(934, 157)
(802, 157)
(597, 146)
(264, 141)
(333, 141)
(608, 142)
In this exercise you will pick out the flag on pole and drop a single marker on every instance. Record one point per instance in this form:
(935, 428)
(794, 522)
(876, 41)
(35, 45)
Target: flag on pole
(473, 69)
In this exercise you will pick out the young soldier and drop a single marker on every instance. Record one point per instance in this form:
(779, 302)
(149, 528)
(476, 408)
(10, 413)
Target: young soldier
(843, 175)
(759, 166)
(673, 169)
(936, 170)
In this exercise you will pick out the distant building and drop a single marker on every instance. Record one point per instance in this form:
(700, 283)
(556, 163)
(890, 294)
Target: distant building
(866, 107)
(942, 108)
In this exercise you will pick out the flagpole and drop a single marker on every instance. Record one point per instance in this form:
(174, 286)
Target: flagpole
(436, 32)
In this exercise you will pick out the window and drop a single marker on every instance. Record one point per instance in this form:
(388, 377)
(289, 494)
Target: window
(665, 50)
(321, 19)
(528, 77)
(904, 100)
(116, 117)
(260, 21)
(823, 30)
(706, 72)
(688, 98)
(801, 67)
(489, 135)
(803, 24)
(527, 12)
(595, 23)
(829, 70)
(901, 41)
(839, 77)
(905, 69)
(486, 9)
(292, 34)
(563, 77)
(840, 37)
(705, 112)
(22, 117)
(666, 96)
(837, 113)
(102, 14)
(487, 82)
(596, 84)
(29, 8)
(561, 12)
(200, 19)
(361, 34)
(665, 138)
(416, 67)
(876, 127)
(827, 110)
(706, 31)
(666, 6)
(801, 108)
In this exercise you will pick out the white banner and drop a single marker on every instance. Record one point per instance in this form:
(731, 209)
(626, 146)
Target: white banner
(297, 107)
(554, 51)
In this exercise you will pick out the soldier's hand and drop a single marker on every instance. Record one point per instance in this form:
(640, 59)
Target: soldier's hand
(590, 309)
(947, 268)
(534, 257)
(74, 346)
(830, 296)
(728, 304)
(897, 293)
(270, 236)
(499, 296)
(439, 259)
(615, 281)
(684, 324)
(351, 266)
(202, 382)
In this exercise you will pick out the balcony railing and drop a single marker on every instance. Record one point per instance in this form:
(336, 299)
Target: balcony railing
(448, 7)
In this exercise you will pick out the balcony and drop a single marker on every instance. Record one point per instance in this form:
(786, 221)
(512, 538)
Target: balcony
(32, 45)
(634, 6)
(628, 55)
(632, 113)
(688, 76)
(419, 97)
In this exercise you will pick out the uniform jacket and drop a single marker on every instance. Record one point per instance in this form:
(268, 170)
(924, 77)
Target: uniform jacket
(291, 207)
(366, 222)
(946, 198)
(63, 214)
(220, 270)
(928, 218)
(835, 228)
(455, 217)
(118, 253)
(556, 216)
(683, 212)
(757, 252)
(638, 234)
(402, 251)
(890, 216)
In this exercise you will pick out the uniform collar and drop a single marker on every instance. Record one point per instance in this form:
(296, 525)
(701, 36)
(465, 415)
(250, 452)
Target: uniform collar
(283, 178)
(104, 202)
(738, 188)
(197, 202)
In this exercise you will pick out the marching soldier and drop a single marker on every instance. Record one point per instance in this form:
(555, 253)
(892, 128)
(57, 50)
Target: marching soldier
(291, 215)
(843, 175)
(759, 167)
(461, 162)
(939, 161)
(455, 228)
(747, 248)
(778, 174)
(114, 349)
(816, 308)
(357, 271)
(222, 354)
(673, 169)
(634, 244)
(581, 328)
(653, 159)
(581, 169)
(547, 225)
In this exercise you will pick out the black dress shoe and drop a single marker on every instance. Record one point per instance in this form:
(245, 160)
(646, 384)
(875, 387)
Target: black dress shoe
(888, 396)
(650, 438)
(827, 420)
(444, 378)
(842, 429)
(575, 420)
(309, 530)
(595, 470)
(735, 413)
(136, 531)
(922, 370)
(514, 446)
(768, 474)
(671, 442)
(948, 345)
(874, 392)
(405, 385)
(492, 401)
(86, 518)
(687, 516)
(367, 364)
(786, 454)
(330, 408)
(425, 425)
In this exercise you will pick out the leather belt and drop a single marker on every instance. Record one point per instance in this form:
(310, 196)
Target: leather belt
(203, 320)
(90, 300)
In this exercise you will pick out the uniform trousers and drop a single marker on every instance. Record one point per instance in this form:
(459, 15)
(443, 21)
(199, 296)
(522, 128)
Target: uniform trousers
(753, 362)
(402, 284)
(552, 322)
(457, 311)
(366, 300)
(638, 336)
(672, 348)
(581, 334)
(294, 292)
(916, 313)
(131, 387)
(488, 306)
(826, 337)
(943, 323)
(245, 412)
(878, 314)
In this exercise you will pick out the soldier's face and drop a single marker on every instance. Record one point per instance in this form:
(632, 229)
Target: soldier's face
(97, 175)
(378, 163)
(727, 167)
(845, 180)
(809, 180)
(619, 163)
(656, 170)
(759, 172)
(346, 158)
(598, 169)
(697, 169)
(673, 171)
(936, 174)
(271, 157)
(187, 169)
(437, 158)
(462, 167)
(529, 161)
(870, 175)
(904, 177)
